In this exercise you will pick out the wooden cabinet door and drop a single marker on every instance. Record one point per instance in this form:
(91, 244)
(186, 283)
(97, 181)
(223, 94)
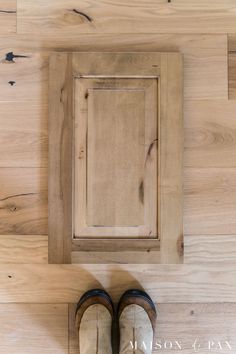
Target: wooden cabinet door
(115, 156)
(115, 160)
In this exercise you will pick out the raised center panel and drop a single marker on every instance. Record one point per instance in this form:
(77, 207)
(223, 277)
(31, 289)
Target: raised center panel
(115, 158)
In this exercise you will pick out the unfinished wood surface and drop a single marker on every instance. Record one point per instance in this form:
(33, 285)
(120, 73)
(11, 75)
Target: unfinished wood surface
(210, 133)
(60, 158)
(24, 134)
(23, 74)
(45, 283)
(23, 201)
(177, 16)
(7, 16)
(102, 67)
(116, 158)
(185, 328)
(209, 201)
(211, 249)
(170, 174)
(205, 59)
(119, 257)
(232, 66)
(23, 249)
(34, 328)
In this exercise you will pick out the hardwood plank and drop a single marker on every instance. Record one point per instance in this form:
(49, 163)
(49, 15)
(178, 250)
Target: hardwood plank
(23, 201)
(23, 74)
(34, 328)
(210, 197)
(60, 158)
(205, 59)
(7, 16)
(210, 133)
(23, 249)
(113, 16)
(23, 135)
(185, 328)
(45, 283)
(211, 249)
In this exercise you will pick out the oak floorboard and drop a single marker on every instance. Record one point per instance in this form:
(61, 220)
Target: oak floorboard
(58, 18)
(23, 134)
(43, 283)
(8, 16)
(34, 328)
(29, 249)
(23, 201)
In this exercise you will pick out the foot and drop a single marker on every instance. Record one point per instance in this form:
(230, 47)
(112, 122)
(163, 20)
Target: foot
(94, 316)
(137, 318)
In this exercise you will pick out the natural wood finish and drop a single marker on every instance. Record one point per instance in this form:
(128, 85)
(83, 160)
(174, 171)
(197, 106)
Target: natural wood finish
(60, 158)
(120, 257)
(232, 75)
(165, 283)
(161, 16)
(184, 325)
(170, 206)
(209, 204)
(34, 328)
(23, 135)
(168, 68)
(23, 201)
(232, 65)
(116, 159)
(205, 60)
(23, 249)
(27, 70)
(210, 133)
(212, 249)
(7, 16)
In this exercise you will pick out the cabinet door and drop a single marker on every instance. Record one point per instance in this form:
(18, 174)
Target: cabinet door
(115, 158)
(116, 163)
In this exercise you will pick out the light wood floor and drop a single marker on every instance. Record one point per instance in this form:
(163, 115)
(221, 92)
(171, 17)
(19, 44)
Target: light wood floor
(196, 300)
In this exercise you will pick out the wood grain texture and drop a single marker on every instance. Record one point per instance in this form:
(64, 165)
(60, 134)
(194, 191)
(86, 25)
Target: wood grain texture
(45, 283)
(232, 65)
(7, 16)
(211, 249)
(116, 164)
(60, 158)
(210, 133)
(122, 257)
(170, 175)
(232, 75)
(23, 249)
(209, 204)
(34, 328)
(114, 16)
(184, 328)
(23, 201)
(205, 59)
(23, 135)
(170, 142)
(23, 74)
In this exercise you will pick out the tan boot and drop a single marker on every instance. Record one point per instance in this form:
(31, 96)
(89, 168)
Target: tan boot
(137, 318)
(94, 317)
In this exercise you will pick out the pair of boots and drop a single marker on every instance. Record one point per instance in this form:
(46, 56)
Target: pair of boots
(96, 319)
